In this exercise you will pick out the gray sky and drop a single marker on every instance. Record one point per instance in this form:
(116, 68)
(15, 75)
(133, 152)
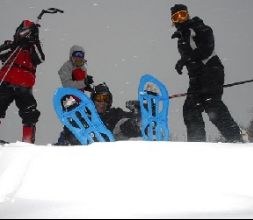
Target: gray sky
(123, 40)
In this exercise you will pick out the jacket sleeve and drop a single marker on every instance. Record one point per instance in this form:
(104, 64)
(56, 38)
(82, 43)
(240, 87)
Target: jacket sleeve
(65, 74)
(37, 54)
(204, 40)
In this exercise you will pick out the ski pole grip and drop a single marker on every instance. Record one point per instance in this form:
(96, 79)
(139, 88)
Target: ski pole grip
(50, 11)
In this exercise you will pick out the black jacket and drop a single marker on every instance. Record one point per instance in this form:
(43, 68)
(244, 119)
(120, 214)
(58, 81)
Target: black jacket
(203, 40)
(196, 43)
(129, 126)
(196, 46)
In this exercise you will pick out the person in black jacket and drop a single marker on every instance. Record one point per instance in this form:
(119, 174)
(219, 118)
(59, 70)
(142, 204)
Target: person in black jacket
(206, 73)
(123, 124)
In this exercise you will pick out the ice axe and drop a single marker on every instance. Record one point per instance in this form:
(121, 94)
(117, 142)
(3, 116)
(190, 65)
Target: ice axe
(48, 11)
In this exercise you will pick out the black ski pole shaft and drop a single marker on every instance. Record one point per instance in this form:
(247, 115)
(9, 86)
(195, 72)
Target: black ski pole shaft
(237, 83)
(224, 86)
(178, 95)
(40, 15)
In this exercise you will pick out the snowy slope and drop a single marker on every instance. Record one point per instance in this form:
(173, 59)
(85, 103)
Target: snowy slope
(127, 180)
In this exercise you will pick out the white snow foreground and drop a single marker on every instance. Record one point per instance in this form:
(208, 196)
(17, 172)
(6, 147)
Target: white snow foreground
(127, 180)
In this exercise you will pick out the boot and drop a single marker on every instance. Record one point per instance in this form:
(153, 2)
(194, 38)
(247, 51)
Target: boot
(29, 133)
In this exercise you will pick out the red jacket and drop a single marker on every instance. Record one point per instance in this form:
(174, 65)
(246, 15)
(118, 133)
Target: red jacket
(20, 70)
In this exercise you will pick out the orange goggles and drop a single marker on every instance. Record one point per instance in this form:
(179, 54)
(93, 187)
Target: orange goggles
(180, 16)
(102, 98)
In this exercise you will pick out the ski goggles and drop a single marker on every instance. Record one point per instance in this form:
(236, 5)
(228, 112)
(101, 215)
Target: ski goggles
(180, 16)
(102, 98)
(78, 54)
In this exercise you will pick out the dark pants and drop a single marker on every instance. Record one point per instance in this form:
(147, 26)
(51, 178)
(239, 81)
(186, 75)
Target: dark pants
(218, 114)
(206, 96)
(25, 102)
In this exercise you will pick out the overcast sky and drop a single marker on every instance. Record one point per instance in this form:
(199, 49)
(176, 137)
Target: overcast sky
(123, 40)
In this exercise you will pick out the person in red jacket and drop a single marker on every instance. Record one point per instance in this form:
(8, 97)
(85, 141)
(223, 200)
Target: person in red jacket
(20, 59)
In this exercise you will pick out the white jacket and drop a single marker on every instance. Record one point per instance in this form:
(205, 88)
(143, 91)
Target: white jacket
(66, 70)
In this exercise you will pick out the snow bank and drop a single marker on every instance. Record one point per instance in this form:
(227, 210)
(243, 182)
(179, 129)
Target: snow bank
(127, 180)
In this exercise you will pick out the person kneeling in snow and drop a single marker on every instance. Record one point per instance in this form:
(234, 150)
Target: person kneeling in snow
(17, 76)
(123, 124)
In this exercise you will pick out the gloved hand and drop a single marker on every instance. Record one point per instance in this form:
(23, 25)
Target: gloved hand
(88, 80)
(133, 106)
(8, 43)
(179, 66)
(176, 34)
(131, 128)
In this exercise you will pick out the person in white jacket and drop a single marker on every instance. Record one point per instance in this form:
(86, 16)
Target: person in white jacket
(73, 73)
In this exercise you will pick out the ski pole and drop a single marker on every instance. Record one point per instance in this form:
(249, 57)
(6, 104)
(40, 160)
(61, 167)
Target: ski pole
(237, 83)
(224, 86)
(18, 49)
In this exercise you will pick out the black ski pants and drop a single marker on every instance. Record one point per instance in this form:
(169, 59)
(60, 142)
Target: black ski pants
(25, 102)
(205, 95)
(218, 114)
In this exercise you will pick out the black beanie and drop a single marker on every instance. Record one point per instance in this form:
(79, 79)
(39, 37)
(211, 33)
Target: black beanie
(178, 7)
(102, 89)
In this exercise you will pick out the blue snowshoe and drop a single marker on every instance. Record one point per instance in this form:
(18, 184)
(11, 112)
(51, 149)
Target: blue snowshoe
(154, 102)
(78, 113)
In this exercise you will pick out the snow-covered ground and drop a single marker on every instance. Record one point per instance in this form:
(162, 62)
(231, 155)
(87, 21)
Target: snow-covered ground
(127, 180)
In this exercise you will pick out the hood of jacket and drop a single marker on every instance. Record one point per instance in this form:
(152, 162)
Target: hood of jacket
(74, 49)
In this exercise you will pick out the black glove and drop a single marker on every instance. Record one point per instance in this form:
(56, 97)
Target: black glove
(131, 128)
(8, 43)
(179, 66)
(133, 106)
(89, 80)
(176, 34)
